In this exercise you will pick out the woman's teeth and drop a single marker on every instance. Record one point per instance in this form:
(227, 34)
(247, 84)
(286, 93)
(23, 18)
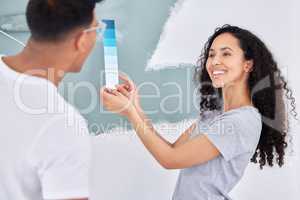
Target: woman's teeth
(218, 72)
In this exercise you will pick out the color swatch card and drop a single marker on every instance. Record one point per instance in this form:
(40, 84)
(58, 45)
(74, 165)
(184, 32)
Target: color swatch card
(110, 54)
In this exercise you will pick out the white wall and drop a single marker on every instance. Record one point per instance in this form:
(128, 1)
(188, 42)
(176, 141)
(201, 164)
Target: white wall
(123, 169)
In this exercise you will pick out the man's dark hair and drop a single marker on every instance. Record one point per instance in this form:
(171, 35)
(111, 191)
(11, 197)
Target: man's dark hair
(52, 20)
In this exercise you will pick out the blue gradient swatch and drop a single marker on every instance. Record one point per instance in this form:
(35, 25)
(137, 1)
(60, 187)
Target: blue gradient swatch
(110, 54)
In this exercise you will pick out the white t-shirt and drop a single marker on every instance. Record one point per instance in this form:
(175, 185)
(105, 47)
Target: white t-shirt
(44, 141)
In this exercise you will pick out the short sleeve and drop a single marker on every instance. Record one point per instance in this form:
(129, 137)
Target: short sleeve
(62, 159)
(233, 133)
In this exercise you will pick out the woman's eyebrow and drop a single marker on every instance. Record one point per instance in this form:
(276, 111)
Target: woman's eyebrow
(226, 48)
(222, 49)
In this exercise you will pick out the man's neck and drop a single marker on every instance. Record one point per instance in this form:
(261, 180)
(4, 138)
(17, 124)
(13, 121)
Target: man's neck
(38, 62)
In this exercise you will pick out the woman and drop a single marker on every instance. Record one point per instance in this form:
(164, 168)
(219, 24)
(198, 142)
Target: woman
(240, 102)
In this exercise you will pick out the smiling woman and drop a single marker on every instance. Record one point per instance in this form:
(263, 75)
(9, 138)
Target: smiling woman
(215, 151)
(247, 52)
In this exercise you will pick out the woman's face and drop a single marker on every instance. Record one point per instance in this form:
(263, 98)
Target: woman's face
(226, 64)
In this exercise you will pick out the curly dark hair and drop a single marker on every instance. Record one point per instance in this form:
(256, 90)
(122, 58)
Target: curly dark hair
(267, 87)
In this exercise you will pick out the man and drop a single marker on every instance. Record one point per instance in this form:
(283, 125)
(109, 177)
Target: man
(44, 143)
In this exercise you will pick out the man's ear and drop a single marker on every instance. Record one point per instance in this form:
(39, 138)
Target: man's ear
(80, 42)
(249, 65)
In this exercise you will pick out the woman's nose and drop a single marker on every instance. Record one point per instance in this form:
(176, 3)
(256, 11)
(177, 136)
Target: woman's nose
(216, 61)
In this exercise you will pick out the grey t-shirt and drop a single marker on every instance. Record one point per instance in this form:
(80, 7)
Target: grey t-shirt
(235, 133)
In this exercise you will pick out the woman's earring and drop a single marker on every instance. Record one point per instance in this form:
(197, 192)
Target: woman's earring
(249, 66)
(249, 69)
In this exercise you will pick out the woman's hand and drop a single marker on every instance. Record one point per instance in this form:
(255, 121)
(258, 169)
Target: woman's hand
(116, 102)
(129, 89)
